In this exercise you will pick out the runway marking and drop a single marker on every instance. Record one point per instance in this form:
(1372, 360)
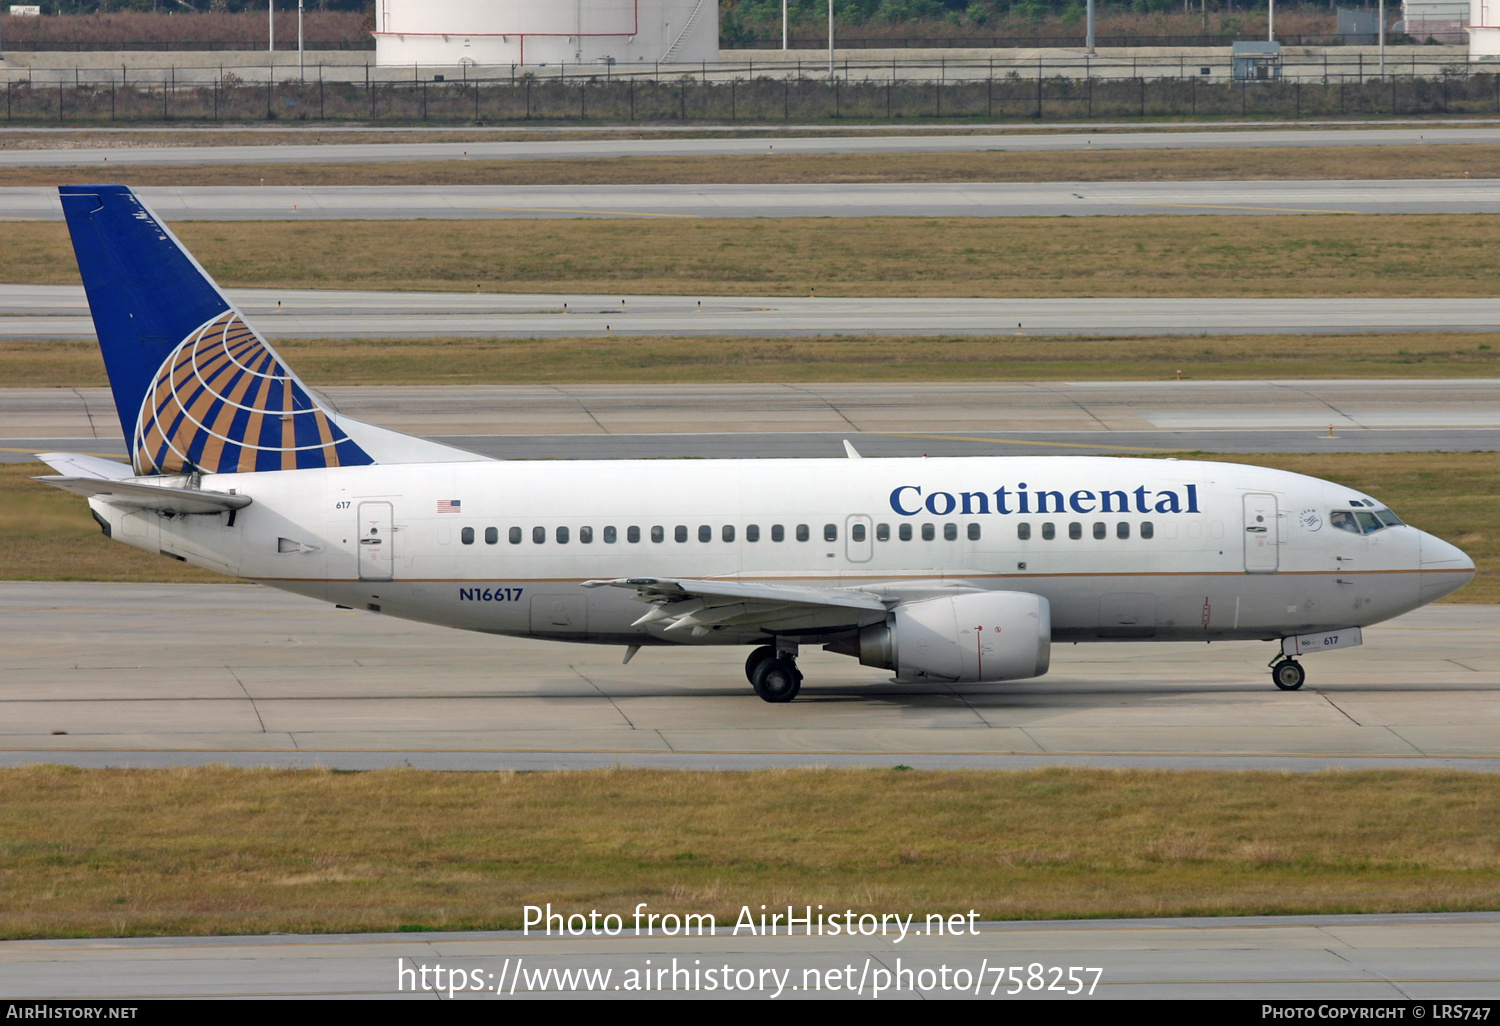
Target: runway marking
(1020, 441)
(582, 211)
(1231, 206)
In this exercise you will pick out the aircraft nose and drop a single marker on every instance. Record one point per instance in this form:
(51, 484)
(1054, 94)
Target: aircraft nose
(1439, 555)
(1445, 568)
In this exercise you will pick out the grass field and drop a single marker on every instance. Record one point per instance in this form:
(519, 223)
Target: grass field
(1282, 163)
(46, 534)
(215, 850)
(1212, 255)
(434, 361)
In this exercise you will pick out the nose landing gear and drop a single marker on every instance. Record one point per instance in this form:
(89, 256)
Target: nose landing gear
(1287, 674)
(773, 675)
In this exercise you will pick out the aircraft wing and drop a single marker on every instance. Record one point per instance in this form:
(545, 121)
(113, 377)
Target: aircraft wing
(144, 496)
(699, 605)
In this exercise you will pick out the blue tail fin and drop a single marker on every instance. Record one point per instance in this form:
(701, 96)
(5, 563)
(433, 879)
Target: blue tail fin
(196, 387)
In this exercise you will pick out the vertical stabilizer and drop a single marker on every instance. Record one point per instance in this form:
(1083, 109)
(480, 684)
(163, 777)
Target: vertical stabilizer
(195, 386)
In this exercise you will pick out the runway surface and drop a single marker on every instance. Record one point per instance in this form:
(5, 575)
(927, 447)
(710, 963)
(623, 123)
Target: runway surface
(975, 139)
(892, 418)
(812, 421)
(1396, 958)
(256, 677)
(1063, 199)
(40, 312)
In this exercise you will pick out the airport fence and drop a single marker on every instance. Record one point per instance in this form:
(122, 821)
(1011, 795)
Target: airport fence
(527, 97)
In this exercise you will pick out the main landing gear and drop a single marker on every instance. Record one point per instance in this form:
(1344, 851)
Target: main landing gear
(773, 674)
(1287, 674)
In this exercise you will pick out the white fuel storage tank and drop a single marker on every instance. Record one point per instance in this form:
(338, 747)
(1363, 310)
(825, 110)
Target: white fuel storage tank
(489, 32)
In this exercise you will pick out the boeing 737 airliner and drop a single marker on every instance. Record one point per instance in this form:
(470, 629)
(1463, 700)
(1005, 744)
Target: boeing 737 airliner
(941, 570)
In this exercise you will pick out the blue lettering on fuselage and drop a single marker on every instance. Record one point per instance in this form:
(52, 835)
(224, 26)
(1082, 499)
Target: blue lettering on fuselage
(908, 501)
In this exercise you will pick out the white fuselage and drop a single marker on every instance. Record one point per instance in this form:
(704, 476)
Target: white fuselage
(1149, 549)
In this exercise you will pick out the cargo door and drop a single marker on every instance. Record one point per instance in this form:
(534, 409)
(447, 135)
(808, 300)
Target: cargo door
(1262, 535)
(376, 541)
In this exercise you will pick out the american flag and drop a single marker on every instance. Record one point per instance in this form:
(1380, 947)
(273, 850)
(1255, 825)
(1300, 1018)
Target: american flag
(449, 506)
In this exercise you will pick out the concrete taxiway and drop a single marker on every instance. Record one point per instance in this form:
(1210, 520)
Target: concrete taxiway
(1061, 199)
(976, 138)
(1394, 958)
(256, 677)
(60, 312)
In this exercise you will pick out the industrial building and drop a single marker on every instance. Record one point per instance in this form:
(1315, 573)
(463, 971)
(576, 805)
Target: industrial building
(534, 32)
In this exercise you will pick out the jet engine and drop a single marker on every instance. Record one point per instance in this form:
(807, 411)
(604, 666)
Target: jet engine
(978, 636)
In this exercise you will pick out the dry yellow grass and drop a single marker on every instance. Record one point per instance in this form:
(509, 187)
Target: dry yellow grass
(410, 361)
(202, 851)
(46, 534)
(1309, 255)
(1271, 163)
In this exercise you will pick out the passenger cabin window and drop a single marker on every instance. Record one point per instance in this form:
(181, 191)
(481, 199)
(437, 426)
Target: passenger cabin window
(1075, 530)
(882, 532)
(562, 536)
(515, 536)
(538, 535)
(727, 533)
(610, 536)
(803, 533)
(830, 532)
(633, 535)
(752, 532)
(905, 532)
(973, 532)
(1023, 532)
(1049, 531)
(1100, 531)
(680, 533)
(491, 535)
(857, 532)
(950, 532)
(1122, 530)
(1148, 529)
(778, 533)
(658, 534)
(705, 533)
(585, 536)
(466, 536)
(929, 532)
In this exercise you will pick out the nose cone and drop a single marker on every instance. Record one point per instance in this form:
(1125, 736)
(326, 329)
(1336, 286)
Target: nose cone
(1445, 568)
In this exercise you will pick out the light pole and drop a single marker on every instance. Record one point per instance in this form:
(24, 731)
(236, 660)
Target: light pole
(1382, 38)
(1091, 26)
(299, 41)
(783, 24)
(1271, 25)
(271, 31)
(830, 39)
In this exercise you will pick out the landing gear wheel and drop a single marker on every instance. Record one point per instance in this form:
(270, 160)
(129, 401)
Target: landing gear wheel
(757, 657)
(1288, 675)
(777, 680)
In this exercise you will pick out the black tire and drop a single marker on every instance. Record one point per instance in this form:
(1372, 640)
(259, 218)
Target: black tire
(777, 680)
(1288, 675)
(756, 658)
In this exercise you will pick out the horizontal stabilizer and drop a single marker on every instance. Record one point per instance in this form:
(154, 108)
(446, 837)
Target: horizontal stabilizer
(135, 495)
(77, 464)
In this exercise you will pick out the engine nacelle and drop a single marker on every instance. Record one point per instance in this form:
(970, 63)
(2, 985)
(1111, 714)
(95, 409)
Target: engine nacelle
(985, 636)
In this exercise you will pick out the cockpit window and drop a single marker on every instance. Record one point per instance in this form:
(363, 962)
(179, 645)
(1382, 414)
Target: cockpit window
(1344, 521)
(1361, 522)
